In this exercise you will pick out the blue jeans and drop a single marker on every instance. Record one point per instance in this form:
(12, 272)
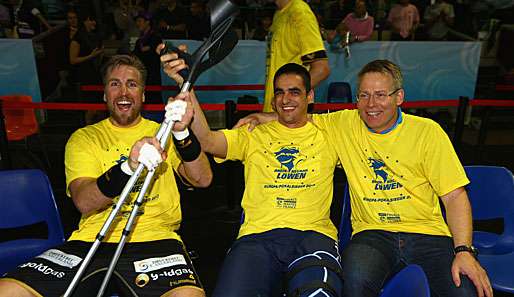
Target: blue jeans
(256, 263)
(373, 256)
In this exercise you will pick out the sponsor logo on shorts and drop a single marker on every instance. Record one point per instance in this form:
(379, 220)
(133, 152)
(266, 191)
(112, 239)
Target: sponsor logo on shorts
(60, 258)
(43, 269)
(152, 264)
(173, 272)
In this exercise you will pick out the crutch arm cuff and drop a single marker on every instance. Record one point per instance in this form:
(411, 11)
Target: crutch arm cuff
(112, 182)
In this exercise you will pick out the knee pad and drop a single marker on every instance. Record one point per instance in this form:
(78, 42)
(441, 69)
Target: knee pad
(314, 275)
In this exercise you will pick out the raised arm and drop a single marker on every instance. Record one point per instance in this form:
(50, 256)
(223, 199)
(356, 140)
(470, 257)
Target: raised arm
(195, 166)
(213, 142)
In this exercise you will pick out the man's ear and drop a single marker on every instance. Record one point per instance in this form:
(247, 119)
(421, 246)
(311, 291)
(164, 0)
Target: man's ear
(310, 96)
(400, 97)
(143, 97)
(105, 98)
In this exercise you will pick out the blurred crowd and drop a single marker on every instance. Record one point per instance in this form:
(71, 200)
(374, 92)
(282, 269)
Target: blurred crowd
(138, 26)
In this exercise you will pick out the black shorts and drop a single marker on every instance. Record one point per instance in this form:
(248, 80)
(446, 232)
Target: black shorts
(144, 269)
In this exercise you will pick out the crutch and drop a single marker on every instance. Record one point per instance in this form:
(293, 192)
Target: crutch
(219, 44)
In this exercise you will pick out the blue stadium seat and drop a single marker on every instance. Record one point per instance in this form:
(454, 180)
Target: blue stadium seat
(339, 92)
(491, 193)
(500, 272)
(27, 199)
(408, 282)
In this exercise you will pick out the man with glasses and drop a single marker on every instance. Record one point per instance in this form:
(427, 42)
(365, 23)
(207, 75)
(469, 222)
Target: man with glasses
(398, 167)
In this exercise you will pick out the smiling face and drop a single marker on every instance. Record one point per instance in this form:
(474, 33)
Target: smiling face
(124, 95)
(72, 19)
(379, 110)
(89, 24)
(290, 101)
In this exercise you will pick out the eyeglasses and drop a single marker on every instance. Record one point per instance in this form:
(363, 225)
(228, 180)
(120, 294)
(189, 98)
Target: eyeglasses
(379, 96)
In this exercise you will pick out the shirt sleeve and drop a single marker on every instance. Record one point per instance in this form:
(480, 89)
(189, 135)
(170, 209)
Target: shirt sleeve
(441, 164)
(79, 159)
(237, 144)
(308, 34)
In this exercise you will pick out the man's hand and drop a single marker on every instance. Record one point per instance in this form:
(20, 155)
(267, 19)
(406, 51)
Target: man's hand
(147, 151)
(172, 64)
(180, 111)
(464, 263)
(255, 119)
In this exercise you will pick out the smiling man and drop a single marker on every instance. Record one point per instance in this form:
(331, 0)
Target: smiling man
(99, 161)
(287, 242)
(399, 167)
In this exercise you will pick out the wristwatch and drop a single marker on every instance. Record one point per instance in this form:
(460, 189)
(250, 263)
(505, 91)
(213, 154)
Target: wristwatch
(464, 248)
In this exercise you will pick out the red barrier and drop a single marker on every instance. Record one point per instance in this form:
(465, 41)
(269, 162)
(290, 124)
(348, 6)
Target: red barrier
(491, 102)
(255, 107)
(92, 106)
(99, 88)
(505, 88)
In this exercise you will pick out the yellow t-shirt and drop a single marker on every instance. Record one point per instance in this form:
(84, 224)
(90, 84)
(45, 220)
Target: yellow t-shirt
(94, 149)
(288, 177)
(293, 34)
(396, 178)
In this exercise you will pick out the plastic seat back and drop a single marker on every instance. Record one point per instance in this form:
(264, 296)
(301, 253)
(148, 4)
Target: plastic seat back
(19, 123)
(409, 282)
(499, 270)
(491, 193)
(339, 91)
(27, 199)
(345, 226)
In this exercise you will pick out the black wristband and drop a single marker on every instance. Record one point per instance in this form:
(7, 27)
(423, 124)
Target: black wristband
(188, 148)
(112, 182)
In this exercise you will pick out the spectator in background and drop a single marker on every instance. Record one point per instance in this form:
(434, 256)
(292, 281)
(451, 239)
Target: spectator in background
(381, 9)
(294, 38)
(403, 20)
(63, 63)
(262, 30)
(439, 17)
(170, 19)
(145, 50)
(199, 24)
(28, 18)
(359, 24)
(124, 18)
(336, 12)
(86, 51)
(5, 21)
(72, 24)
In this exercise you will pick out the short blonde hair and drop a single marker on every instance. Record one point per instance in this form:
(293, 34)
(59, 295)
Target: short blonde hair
(385, 67)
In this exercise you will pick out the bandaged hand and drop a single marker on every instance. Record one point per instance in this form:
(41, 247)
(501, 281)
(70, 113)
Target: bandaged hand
(175, 110)
(149, 156)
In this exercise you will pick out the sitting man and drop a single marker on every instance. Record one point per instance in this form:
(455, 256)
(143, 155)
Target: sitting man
(398, 167)
(287, 236)
(99, 161)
